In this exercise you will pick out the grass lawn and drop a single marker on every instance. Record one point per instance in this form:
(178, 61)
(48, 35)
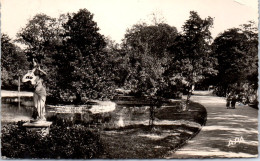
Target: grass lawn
(170, 131)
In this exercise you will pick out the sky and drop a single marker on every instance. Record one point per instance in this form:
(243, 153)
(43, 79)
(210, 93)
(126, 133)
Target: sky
(113, 17)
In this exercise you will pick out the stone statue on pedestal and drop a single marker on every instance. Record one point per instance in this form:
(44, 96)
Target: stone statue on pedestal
(39, 95)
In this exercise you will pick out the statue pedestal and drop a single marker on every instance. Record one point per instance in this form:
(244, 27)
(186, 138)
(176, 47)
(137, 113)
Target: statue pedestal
(42, 127)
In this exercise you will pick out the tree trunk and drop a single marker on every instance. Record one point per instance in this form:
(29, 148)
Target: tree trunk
(78, 99)
(190, 89)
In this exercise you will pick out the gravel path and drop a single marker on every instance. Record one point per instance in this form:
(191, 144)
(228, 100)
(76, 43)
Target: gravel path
(227, 133)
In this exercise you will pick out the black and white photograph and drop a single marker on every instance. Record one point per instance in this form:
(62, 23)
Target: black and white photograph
(129, 79)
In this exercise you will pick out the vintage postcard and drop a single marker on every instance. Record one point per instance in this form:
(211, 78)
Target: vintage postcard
(129, 79)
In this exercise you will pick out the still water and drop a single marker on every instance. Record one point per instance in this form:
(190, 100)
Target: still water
(10, 112)
(109, 115)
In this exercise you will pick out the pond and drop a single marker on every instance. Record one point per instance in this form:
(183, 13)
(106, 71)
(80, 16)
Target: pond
(104, 114)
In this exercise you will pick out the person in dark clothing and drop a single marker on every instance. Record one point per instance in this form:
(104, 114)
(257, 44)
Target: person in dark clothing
(229, 99)
(234, 100)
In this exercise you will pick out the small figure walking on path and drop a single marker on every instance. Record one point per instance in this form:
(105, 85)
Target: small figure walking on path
(229, 99)
(39, 95)
(234, 100)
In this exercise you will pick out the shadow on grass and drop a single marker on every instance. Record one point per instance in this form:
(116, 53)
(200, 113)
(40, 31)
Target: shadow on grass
(172, 129)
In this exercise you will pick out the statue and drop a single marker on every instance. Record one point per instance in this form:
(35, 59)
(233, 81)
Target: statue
(39, 95)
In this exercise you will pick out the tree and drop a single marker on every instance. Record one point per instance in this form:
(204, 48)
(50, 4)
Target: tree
(117, 62)
(72, 51)
(42, 37)
(191, 59)
(237, 54)
(82, 63)
(13, 63)
(145, 48)
(251, 31)
(154, 38)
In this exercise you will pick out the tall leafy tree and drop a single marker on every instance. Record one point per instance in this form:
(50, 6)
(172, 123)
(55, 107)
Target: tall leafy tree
(39, 36)
(145, 48)
(155, 38)
(237, 54)
(42, 38)
(83, 63)
(117, 62)
(13, 63)
(190, 53)
(72, 51)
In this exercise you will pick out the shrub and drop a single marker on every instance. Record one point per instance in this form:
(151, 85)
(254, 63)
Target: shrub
(74, 142)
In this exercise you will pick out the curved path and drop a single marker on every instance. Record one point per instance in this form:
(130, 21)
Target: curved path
(227, 133)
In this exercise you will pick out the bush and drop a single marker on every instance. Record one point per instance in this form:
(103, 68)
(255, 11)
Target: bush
(171, 91)
(74, 142)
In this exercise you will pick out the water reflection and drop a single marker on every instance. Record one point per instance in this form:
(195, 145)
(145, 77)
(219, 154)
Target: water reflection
(12, 113)
(121, 122)
(119, 117)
